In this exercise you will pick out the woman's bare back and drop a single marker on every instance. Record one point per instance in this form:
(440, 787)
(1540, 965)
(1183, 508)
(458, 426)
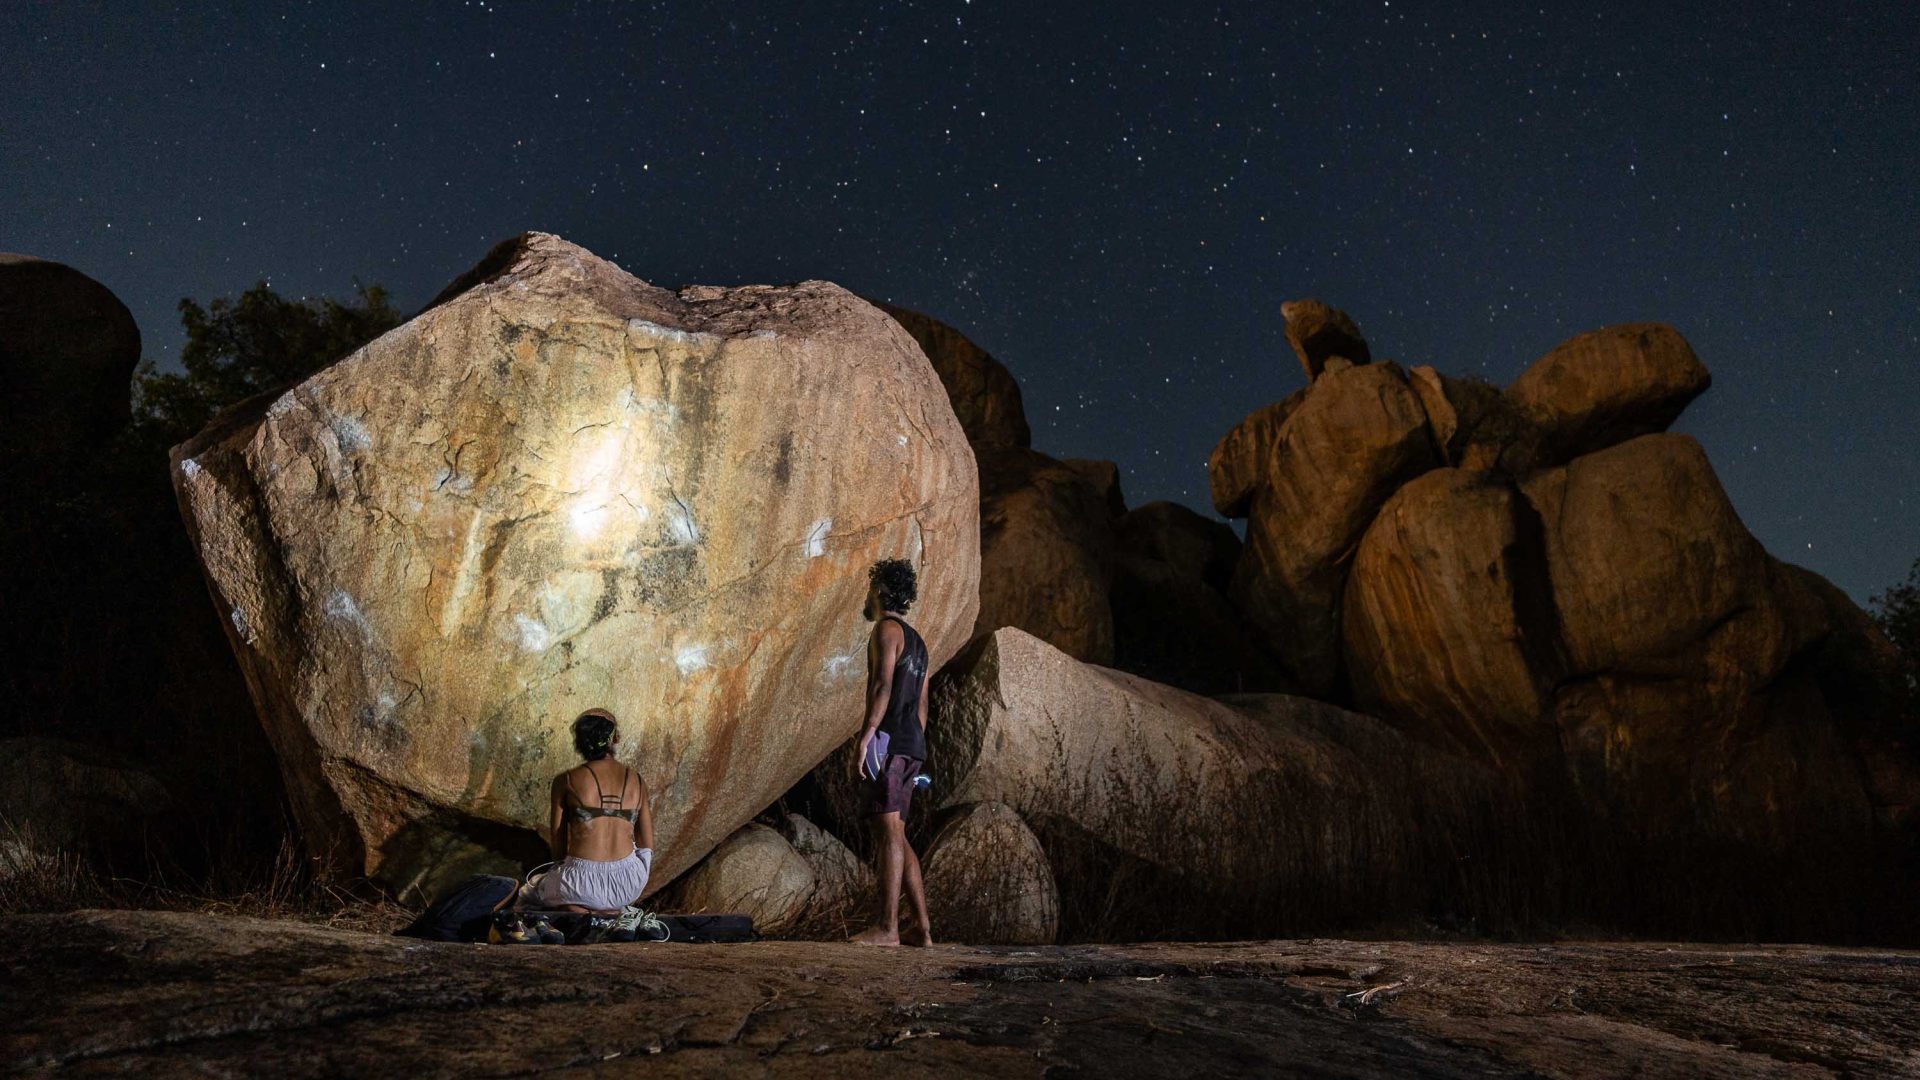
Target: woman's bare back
(615, 820)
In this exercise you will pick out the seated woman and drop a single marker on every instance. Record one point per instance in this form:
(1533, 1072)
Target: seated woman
(601, 832)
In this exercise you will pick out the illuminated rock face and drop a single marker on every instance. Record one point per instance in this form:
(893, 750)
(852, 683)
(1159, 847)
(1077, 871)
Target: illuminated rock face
(560, 488)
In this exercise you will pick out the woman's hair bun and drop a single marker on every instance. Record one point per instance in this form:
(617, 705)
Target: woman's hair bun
(593, 734)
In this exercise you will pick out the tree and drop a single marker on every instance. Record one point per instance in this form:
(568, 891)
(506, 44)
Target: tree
(238, 348)
(1898, 612)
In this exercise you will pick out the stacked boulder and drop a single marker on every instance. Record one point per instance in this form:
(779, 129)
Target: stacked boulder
(1543, 577)
(1062, 558)
(1046, 531)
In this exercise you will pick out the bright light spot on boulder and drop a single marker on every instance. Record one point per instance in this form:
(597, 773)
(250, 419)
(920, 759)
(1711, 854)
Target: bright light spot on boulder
(587, 518)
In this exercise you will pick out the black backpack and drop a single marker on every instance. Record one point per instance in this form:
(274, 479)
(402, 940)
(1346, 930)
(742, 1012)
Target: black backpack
(464, 913)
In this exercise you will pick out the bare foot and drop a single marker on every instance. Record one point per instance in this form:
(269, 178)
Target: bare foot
(917, 937)
(876, 936)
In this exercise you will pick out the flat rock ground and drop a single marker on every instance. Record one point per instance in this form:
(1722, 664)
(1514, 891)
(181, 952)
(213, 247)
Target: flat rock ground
(162, 994)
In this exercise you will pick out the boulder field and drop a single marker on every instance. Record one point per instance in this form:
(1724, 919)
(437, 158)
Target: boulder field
(1546, 580)
(1506, 658)
(560, 487)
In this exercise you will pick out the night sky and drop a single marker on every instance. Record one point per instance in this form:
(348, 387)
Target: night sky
(1112, 198)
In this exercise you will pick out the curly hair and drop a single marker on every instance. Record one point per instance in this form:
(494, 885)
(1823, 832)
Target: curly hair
(895, 580)
(593, 734)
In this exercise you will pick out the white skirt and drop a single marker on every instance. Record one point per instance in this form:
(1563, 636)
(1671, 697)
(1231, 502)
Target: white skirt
(595, 884)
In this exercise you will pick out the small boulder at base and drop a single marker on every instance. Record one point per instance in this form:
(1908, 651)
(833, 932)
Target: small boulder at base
(1607, 386)
(561, 488)
(754, 872)
(988, 881)
(842, 882)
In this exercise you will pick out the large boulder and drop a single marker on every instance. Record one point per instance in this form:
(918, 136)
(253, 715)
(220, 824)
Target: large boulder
(1449, 626)
(985, 396)
(754, 872)
(1194, 547)
(1357, 436)
(1319, 334)
(561, 487)
(1862, 685)
(1237, 467)
(1607, 386)
(988, 881)
(1046, 549)
(1678, 629)
(68, 348)
(1172, 622)
(1277, 804)
(1648, 557)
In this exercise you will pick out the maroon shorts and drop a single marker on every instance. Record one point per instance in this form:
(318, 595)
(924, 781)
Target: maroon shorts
(891, 793)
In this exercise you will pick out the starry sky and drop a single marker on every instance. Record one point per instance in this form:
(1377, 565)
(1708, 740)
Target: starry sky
(1113, 198)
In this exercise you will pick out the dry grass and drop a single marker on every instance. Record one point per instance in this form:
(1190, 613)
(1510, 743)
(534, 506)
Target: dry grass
(38, 877)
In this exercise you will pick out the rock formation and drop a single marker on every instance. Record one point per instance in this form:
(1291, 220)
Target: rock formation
(1434, 629)
(1607, 386)
(1359, 434)
(561, 487)
(1543, 580)
(1475, 426)
(988, 882)
(985, 397)
(1046, 549)
(1172, 622)
(68, 347)
(1320, 334)
(1237, 468)
(1678, 632)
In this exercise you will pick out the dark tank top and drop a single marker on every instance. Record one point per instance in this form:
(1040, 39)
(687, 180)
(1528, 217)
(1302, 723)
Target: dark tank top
(905, 737)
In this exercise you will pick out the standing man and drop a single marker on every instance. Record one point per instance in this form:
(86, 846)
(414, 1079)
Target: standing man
(897, 678)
